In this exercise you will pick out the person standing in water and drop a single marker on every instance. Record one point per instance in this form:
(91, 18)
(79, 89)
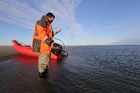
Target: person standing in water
(42, 42)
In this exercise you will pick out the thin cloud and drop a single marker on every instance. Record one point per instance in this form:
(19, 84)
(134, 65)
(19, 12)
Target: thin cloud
(26, 12)
(128, 41)
(133, 39)
(17, 12)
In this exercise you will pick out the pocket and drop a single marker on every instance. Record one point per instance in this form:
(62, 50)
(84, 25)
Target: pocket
(36, 45)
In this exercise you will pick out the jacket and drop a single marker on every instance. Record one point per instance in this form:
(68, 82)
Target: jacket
(42, 30)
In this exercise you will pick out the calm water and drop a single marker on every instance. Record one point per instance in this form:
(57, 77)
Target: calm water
(87, 69)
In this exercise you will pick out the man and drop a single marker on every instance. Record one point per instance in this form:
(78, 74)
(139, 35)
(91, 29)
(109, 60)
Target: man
(42, 42)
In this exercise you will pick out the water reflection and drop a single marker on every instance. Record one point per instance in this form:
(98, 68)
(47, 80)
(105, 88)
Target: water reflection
(32, 61)
(28, 66)
(25, 59)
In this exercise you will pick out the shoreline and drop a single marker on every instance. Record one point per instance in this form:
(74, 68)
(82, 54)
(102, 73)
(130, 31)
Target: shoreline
(6, 51)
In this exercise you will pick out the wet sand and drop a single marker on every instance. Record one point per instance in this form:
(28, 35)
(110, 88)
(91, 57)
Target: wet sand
(19, 74)
(6, 51)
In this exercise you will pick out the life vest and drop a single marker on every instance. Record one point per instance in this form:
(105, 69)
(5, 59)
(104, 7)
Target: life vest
(42, 30)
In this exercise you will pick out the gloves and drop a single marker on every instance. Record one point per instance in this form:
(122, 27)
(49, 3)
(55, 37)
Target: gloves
(48, 41)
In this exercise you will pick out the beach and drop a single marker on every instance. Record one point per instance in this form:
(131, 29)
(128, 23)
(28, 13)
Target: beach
(6, 51)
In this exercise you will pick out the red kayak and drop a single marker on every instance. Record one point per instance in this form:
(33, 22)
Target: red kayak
(27, 50)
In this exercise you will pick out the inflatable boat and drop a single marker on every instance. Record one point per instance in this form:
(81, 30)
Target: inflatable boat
(27, 50)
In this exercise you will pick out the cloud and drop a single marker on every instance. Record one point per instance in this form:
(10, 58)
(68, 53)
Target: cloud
(17, 12)
(128, 41)
(133, 39)
(26, 12)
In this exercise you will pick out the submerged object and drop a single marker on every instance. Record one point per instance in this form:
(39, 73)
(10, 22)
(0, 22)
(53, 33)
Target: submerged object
(27, 50)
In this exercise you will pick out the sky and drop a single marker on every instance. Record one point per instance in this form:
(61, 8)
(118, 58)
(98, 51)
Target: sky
(83, 22)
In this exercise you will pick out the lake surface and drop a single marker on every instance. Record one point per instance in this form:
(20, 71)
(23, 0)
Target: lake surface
(87, 69)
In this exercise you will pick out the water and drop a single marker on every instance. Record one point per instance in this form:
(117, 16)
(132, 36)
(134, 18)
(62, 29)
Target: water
(87, 69)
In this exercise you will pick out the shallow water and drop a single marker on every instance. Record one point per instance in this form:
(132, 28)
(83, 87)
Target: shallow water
(87, 69)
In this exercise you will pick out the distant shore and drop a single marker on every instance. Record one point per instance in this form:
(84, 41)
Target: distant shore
(6, 51)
